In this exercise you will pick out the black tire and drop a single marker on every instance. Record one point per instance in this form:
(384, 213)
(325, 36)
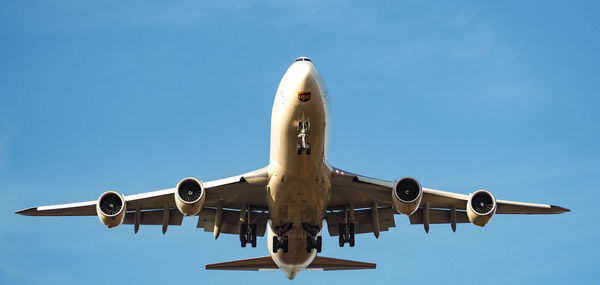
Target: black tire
(351, 240)
(254, 241)
(243, 233)
(298, 149)
(319, 243)
(308, 149)
(243, 244)
(275, 244)
(285, 245)
(341, 241)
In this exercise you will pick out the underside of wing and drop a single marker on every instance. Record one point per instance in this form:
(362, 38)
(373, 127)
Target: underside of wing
(369, 203)
(229, 197)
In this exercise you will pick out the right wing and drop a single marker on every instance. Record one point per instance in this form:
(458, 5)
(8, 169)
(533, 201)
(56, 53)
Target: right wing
(349, 190)
(235, 193)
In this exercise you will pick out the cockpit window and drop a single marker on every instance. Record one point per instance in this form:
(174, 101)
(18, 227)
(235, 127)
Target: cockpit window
(303, 59)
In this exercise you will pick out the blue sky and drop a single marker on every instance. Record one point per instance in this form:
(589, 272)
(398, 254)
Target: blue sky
(134, 96)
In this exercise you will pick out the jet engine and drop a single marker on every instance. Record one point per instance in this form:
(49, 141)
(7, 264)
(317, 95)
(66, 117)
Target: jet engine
(481, 207)
(189, 196)
(111, 209)
(406, 195)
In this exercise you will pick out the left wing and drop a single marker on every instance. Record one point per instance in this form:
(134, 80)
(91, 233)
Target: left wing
(233, 193)
(353, 191)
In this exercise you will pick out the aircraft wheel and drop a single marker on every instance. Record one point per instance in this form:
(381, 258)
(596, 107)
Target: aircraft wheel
(275, 244)
(308, 149)
(285, 244)
(319, 243)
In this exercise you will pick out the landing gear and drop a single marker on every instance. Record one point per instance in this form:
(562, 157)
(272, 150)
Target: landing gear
(248, 234)
(247, 227)
(280, 242)
(299, 148)
(312, 240)
(346, 234)
(303, 129)
(313, 243)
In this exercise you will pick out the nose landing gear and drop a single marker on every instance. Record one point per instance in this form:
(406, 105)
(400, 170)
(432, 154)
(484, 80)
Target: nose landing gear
(303, 129)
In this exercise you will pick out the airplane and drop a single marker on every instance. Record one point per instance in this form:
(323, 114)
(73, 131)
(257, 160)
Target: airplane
(290, 198)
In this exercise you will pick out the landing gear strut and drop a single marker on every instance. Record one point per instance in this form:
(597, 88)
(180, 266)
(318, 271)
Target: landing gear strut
(303, 129)
(346, 229)
(247, 228)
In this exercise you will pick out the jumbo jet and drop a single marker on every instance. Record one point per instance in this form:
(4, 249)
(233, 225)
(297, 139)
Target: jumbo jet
(290, 198)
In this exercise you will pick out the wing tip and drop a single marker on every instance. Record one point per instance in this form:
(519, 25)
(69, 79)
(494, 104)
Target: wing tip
(559, 209)
(27, 212)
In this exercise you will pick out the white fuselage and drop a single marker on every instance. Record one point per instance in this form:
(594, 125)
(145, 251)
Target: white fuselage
(299, 184)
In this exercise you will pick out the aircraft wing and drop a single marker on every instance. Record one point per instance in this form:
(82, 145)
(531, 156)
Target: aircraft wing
(363, 194)
(245, 190)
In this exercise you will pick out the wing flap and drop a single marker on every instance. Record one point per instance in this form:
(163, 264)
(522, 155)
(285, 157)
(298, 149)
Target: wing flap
(230, 223)
(364, 221)
(155, 217)
(437, 216)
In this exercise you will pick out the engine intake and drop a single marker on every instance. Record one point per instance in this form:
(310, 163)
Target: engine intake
(481, 207)
(189, 196)
(111, 209)
(407, 195)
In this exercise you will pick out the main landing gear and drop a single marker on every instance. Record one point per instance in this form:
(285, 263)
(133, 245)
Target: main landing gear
(303, 145)
(280, 240)
(247, 227)
(248, 234)
(346, 234)
(346, 228)
(312, 240)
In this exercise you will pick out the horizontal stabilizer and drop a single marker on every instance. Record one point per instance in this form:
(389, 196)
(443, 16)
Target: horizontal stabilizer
(266, 263)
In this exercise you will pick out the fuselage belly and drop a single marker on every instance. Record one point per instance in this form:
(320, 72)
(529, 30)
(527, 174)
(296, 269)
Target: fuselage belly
(299, 185)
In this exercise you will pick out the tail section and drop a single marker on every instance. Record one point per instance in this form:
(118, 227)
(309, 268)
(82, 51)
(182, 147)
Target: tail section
(266, 263)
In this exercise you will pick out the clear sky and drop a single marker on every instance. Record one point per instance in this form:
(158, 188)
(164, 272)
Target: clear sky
(133, 96)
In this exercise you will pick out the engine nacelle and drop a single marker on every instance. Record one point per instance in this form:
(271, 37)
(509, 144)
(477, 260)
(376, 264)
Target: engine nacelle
(407, 195)
(189, 196)
(111, 209)
(481, 207)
